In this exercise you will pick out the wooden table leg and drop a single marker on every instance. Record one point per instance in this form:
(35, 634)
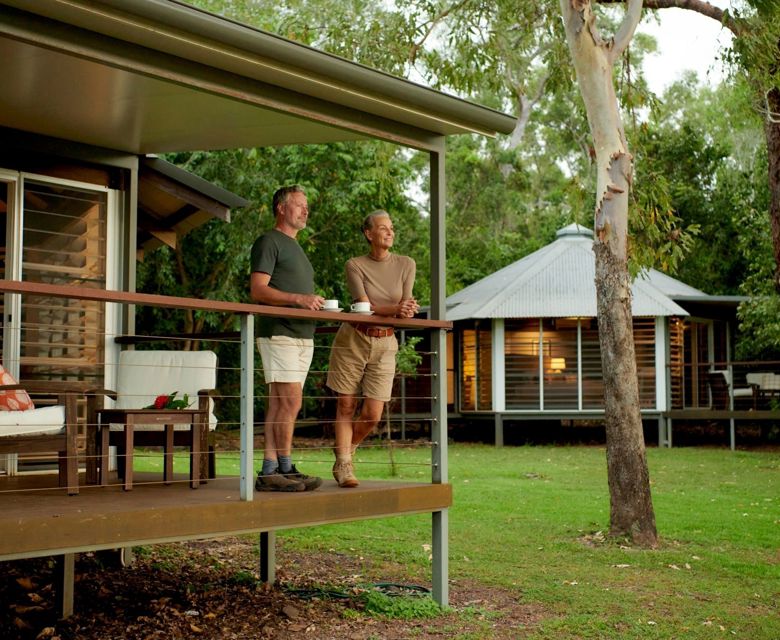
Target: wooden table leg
(128, 464)
(103, 434)
(168, 455)
(195, 453)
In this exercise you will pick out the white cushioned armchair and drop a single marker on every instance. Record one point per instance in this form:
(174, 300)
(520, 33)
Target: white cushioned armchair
(45, 429)
(142, 376)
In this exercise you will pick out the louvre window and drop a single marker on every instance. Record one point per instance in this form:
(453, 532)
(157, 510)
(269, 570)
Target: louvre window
(521, 363)
(547, 361)
(477, 373)
(64, 231)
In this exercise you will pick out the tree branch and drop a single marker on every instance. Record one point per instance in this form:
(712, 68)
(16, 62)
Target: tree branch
(431, 26)
(526, 105)
(626, 31)
(698, 6)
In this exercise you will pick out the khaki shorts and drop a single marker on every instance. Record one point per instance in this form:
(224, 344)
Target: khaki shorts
(359, 363)
(285, 359)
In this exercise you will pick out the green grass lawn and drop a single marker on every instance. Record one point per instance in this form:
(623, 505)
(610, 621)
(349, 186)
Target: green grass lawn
(532, 520)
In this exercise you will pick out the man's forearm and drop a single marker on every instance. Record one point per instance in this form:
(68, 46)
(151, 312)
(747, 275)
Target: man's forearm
(263, 294)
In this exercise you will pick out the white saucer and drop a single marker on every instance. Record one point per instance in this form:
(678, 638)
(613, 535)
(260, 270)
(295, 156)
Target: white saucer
(363, 313)
(333, 310)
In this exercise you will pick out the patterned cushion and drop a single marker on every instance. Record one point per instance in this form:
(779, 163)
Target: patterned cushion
(13, 399)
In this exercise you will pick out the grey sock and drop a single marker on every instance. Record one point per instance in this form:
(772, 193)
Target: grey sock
(269, 466)
(285, 464)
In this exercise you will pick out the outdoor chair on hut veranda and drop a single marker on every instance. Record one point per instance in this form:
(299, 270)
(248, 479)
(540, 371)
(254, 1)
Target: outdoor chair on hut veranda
(143, 376)
(43, 429)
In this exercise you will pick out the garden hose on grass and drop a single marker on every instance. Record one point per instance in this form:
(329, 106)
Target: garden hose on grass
(392, 589)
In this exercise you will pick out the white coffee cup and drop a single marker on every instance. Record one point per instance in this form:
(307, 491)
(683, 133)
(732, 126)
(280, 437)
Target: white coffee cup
(330, 305)
(360, 307)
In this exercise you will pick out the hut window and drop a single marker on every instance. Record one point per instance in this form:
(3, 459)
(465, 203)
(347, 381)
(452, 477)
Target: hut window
(644, 348)
(64, 233)
(559, 363)
(477, 373)
(522, 344)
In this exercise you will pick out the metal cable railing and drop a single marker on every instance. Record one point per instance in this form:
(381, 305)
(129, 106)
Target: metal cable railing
(56, 351)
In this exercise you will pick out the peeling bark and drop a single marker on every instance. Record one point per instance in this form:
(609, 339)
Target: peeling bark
(631, 507)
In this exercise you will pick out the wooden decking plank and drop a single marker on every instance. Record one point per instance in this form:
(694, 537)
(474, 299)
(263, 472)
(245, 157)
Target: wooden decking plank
(48, 522)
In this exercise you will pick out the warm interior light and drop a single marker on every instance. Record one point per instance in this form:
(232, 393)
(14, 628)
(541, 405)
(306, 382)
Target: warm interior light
(558, 364)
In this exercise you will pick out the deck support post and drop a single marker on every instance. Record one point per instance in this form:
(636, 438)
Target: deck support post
(732, 434)
(247, 406)
(661, 430)
(66, 573)
(440, 560)
(268, 556)
(499, 428)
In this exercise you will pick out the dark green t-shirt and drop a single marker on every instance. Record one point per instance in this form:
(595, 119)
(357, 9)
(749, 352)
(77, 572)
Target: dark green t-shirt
(282, 258)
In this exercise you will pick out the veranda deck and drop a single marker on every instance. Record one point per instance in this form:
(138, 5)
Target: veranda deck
(45, 521)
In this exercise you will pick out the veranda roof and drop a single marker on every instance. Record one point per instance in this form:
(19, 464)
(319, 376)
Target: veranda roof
(150, 76)
(558, 281)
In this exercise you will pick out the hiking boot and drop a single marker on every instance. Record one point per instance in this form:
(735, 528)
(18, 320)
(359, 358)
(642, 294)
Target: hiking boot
(277, 482)
(310, 483)
(344, 474)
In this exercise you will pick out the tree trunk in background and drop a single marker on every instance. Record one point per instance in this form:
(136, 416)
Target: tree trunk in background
(772, 130)
(631, 507)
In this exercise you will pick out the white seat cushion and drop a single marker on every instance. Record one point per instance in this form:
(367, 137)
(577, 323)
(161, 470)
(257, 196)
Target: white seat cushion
(33, 421)
(144, 375)
(755, 378)
(771, 382)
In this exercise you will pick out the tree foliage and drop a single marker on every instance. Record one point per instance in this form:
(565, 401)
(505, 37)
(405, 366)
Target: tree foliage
(701, 149)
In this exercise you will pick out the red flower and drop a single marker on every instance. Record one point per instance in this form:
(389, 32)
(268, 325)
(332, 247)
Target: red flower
(169, 401)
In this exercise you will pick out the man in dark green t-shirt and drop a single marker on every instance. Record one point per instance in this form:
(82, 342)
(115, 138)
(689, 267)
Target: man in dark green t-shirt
(283, 276)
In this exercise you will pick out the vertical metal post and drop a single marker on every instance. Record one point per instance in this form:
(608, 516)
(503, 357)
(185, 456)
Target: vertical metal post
(498, 371)
(440, 523)
(268, 556)
(66, 575)
(579, 364)
(247, 406)
(403, 395)
(730, 369)
(498, 367)
(498, 428)
(440, 519)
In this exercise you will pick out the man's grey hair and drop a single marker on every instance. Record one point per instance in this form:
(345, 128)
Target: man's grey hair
(281, 195)
(368, 221)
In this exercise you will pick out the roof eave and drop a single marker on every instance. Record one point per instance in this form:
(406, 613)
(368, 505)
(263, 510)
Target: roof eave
(195, 182)
(197, 35)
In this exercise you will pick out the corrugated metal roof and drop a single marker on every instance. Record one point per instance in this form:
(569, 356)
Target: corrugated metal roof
(558, 281)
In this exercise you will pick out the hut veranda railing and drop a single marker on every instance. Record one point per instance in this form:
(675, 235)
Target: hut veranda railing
(245, 314)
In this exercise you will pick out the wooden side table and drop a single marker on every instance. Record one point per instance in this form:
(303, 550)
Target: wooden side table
(166, 418)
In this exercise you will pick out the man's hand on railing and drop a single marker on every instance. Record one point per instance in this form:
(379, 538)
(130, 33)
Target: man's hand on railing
(309, 301)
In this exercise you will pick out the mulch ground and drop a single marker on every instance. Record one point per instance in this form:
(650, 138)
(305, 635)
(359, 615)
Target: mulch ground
(210, 589)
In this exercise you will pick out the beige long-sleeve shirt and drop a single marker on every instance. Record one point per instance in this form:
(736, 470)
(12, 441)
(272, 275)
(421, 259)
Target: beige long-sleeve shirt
(383, 282)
